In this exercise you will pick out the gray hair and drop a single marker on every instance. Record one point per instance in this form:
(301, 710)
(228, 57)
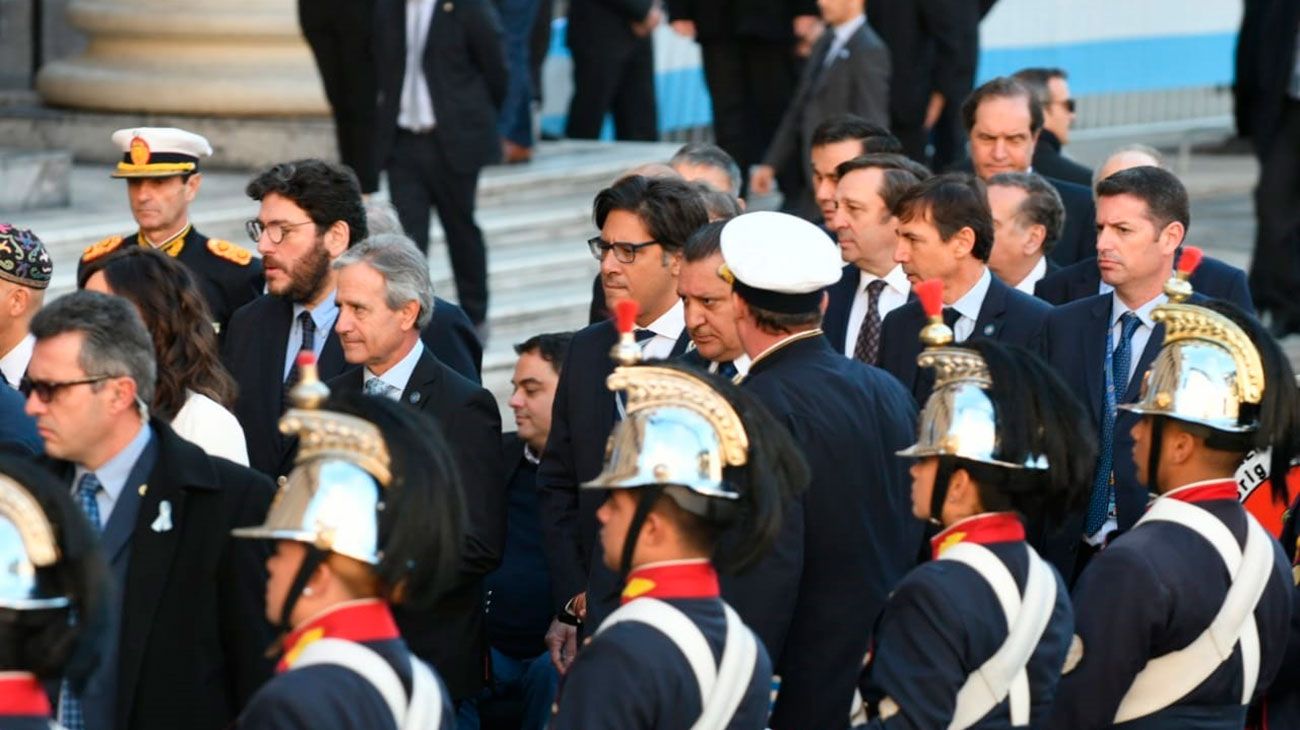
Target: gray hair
(404, 268)
(704, 154)
(1042, 206)
(115, 341)
(381, 218)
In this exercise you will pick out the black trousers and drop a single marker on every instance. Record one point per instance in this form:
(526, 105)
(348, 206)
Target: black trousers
(621, 82)
(340, 34)
(750, 83)
(1275, 266)
(420, 178)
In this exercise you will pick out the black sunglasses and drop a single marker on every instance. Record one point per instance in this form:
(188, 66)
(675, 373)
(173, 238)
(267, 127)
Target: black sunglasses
(47, 390)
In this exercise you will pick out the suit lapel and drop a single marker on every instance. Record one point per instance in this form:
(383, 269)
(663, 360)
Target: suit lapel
(277, 328)
(122, 520)
(331, 357)
(423, 382)
(989, 323)
(1144, 363)
(682, 344)
(1094, 353)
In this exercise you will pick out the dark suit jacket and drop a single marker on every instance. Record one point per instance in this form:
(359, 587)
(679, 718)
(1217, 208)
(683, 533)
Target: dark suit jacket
(935, 46)
(1006, 315)
(465, 66)
(253, 352)
(17, 429)
(855, 82)
(604, 26)
(1213, 279)
(450, 634)
(1049, 162)
(192, 645)
(765, 20)
(1265, 62)
(840, 296)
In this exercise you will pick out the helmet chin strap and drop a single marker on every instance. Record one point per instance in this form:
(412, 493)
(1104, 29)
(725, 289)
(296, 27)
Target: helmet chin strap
(939, 492)
(310, 562)
(645, 502)
(1153, 453)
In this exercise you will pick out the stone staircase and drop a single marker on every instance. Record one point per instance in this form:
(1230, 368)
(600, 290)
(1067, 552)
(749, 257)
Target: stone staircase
(535, 217)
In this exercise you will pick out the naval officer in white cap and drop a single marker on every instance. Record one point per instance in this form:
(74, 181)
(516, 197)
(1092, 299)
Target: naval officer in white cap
(161, 169)
(850, 538)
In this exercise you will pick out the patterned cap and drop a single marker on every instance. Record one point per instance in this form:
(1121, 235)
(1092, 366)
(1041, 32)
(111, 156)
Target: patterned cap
(23, 258)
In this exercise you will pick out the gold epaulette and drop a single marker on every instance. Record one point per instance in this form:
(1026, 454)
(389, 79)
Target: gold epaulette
(229, 251)
(102, 248)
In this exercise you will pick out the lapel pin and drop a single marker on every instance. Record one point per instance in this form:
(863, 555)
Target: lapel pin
(143, 488)
(163, 523)
(414, 398)
(988, 330)
(447, 7)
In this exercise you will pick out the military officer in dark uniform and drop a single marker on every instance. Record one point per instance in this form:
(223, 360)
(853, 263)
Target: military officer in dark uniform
(370, 515)
(1001, 441)
(850, 539)
(692, 455)
(161, 167)
(53, 565)
(1183, 620)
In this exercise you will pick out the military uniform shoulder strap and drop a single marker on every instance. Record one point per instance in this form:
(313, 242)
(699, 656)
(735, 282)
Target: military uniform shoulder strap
(424, 709)
(228, 251)
(102, 248)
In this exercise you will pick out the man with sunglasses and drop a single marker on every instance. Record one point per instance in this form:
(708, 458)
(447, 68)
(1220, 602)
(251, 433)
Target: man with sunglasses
(644, 223)
(1052, 89)
(161, 169)
(186, 627)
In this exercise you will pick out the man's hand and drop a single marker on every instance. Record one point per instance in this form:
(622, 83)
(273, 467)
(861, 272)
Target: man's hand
(760, 180)
(684, 28)
(562, 642)
(933, 110)
(643, 27)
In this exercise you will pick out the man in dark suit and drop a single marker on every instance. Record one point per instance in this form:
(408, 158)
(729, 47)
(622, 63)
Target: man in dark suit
(644, 223)
(849, 538)
(385, 341)
(945, 232)
(442, 81)
(311, 211)
(1027, 220)
(935, 47)
(747, 47)
(1052, 89)
(1269, 92)
(613, 68)
(1142, 215)
(706, 306)
(846, 73)
(1003, 122)
(188, 629)
(340, 34)
(869, 188)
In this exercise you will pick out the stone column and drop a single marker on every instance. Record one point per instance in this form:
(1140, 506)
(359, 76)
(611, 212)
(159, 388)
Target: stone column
(200, 57)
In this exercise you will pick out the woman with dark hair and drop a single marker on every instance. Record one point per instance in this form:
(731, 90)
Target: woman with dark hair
(193, 391)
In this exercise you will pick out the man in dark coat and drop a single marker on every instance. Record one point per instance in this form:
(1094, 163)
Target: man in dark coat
(1052, 89)
(613, 68)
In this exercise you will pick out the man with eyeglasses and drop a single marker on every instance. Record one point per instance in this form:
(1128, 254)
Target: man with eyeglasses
(644, 223)
(187, 629)
(161, 169)
(1052, 89)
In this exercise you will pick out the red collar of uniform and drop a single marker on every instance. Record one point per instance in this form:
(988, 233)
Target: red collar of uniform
(1206, 491)
(982, 529)
(365, 620)
(21, 694)
(676, 579)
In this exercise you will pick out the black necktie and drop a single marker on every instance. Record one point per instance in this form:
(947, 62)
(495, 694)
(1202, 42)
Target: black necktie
(643, 335)
(950, 317)
(308, 326)
(867, 348)
(727, 370)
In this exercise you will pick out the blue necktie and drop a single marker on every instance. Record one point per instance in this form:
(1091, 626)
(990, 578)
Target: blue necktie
(1103, 485)
(727, 370)
(70, 715)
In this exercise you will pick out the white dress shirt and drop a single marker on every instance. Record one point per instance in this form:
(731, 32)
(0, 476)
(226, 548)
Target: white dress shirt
(208, 425)
(399, 375)
(1141, 335)
(14, 362)
(415, 112)
(969, 307)
(324, 315)
(667, 329)
(741, 364)
(1035, 275)
(894, 295)
(112, 475)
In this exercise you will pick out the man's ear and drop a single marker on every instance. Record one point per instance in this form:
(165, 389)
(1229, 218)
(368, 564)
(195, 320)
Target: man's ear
(337, 238)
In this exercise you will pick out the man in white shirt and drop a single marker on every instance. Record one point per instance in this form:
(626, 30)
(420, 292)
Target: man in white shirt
(25, 272)
(864, 224)
(1027, 219)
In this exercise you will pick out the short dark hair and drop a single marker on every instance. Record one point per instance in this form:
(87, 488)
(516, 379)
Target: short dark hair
(550, 346)
(954, 201)
(1002, 87)
(325, 191)
(670, 208)
(1161, 190)
(1036, 79)
(900, 174)
(779, 322)
(1042, 207)
(883, 144)
(705, 154)
(706, 241)
(844, 127)
(719, 204)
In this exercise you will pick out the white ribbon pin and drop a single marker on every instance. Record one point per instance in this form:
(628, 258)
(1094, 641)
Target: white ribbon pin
(163, 522)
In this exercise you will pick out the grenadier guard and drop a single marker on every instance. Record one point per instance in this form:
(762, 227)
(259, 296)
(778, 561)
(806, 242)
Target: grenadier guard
(1183, 620)
(693, 457)
(53, 569)
(976, 637)
(370, 515)
(161, 167)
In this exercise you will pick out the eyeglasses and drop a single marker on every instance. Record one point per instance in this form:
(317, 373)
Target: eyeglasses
(624, 252)
(255, 228)
(47, 390)
(1069, 104)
